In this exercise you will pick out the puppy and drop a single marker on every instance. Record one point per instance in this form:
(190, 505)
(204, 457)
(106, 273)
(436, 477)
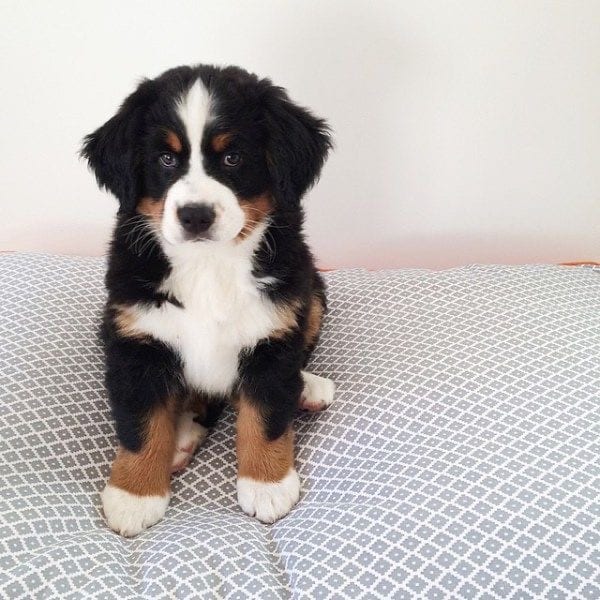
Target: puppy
(213, 294)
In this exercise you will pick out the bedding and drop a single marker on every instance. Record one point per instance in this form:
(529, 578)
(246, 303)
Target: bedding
(460, 458)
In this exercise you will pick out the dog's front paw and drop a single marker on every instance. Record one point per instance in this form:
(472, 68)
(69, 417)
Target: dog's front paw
(268, 501)
(128, 514)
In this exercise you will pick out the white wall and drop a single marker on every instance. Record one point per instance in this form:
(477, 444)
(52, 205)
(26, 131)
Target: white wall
(466, 131)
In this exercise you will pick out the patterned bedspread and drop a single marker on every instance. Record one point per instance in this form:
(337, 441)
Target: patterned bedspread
(460, 460)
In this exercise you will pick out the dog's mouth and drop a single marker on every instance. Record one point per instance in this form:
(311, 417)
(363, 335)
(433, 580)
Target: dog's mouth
(211, 236)
(185, 238)
(201, 238)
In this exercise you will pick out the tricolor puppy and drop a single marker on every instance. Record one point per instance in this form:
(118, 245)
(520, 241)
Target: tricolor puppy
(213, 295)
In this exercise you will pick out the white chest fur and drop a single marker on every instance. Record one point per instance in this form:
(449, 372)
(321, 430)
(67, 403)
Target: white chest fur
(223, 312)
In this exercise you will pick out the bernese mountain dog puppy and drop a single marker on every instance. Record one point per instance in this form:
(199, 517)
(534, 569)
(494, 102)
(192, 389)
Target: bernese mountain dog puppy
(213, 294)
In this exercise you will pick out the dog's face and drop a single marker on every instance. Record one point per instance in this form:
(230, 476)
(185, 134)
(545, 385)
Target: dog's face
(205, 175)
(207, 154)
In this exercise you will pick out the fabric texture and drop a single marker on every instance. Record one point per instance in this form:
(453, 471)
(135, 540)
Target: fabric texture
(460, 458)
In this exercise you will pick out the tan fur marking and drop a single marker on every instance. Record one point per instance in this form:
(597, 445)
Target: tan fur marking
(288, 318)
(256, 210)
(313, 321)
(173, 141)
(147, 472)
(124, 320)
(220, 141)
(152, 208)
(259, 458)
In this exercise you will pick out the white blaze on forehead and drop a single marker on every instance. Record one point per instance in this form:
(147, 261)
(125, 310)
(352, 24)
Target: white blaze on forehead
(194, 108)
(194, 111)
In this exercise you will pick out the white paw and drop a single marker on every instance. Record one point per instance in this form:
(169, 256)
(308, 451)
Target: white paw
(317, 393)
(268, 501)
(129, 514)
(189, 437)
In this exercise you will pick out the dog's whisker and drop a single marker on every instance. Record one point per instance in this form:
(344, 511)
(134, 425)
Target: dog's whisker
(148, 238)
(262, 212)
(140, 236)
(270, 248)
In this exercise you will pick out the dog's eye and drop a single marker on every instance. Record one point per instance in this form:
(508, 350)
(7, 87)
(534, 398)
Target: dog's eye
(168, 160)
(232, 159)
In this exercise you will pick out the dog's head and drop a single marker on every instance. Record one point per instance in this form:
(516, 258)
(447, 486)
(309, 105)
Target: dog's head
(206, 154)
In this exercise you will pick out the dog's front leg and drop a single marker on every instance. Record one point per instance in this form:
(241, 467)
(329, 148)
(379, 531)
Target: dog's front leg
(145, 409)
(268, 485)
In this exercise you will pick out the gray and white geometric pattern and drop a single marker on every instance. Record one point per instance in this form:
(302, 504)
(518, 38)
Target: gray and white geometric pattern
(460, 460)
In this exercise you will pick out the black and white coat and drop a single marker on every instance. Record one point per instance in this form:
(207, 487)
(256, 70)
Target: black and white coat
(213, 295)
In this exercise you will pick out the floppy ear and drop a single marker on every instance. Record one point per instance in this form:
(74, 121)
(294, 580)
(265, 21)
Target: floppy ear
(112, 152)
(297, 146)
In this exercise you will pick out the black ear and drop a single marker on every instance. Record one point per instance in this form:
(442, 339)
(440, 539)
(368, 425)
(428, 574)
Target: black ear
(112, 150)
(297, 146)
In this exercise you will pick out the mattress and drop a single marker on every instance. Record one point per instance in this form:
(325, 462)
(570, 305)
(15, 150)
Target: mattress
(460, 458)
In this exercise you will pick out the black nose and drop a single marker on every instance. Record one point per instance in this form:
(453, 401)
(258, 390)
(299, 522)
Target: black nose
(196, 218)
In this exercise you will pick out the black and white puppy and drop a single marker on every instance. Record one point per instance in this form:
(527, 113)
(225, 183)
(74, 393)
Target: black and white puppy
(213, 294)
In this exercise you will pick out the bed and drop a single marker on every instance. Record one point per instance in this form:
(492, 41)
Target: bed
(460, 459)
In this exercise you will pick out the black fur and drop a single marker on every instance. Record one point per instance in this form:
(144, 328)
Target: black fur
(285, 147)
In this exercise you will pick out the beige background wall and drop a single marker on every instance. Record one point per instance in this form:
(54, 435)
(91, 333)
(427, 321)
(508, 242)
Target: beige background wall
(466, 131)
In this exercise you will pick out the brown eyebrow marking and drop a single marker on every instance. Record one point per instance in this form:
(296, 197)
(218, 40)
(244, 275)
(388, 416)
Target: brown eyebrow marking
(173, 141)
(220, 141)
